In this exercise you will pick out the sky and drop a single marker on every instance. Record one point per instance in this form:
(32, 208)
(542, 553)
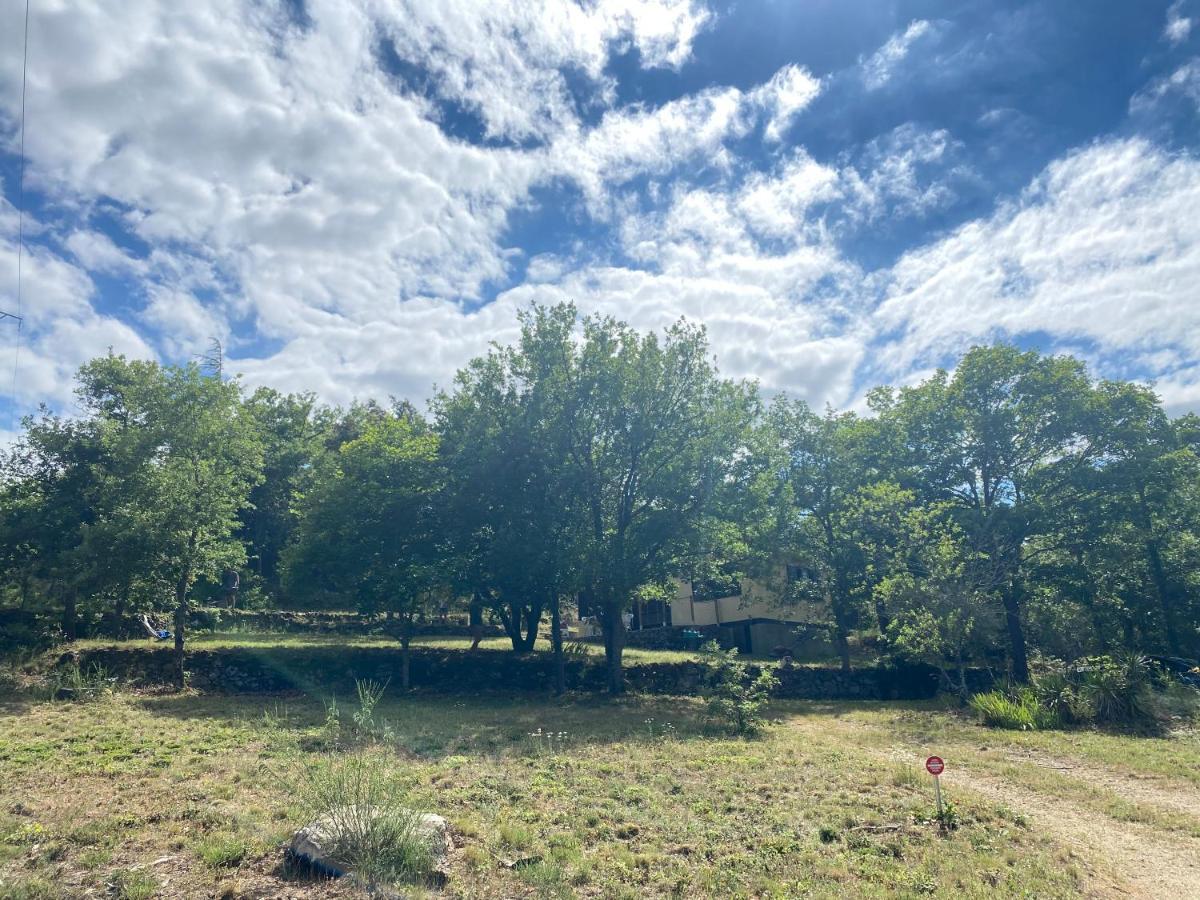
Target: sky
(355, 198)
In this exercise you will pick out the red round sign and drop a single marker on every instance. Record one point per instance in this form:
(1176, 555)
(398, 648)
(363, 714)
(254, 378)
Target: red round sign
(934, 765)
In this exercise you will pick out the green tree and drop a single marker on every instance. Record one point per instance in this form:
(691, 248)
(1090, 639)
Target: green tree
(824, 469)
(369, 526)
(654, 434)
(992, 440)
(194, 457)
(512, 504)
(290, 432)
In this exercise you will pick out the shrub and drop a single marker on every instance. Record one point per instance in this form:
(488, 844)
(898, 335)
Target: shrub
(732, 699)
(1018, 710)
(376, 834)
(1117, 690)
(1100, 690)
(1061, 698)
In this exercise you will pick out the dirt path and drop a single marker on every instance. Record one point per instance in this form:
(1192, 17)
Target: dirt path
(1144, 861)
(1122, 859)
(1153, 790)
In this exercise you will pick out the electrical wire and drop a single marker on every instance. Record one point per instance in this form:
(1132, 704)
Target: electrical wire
(20, 316)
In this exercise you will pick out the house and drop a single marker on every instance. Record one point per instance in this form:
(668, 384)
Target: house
(749, 614)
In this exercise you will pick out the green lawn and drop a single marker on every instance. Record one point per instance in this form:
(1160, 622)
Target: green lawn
(266, 639)
(189, 796)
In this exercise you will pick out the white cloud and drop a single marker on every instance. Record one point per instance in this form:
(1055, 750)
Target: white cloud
(295, 193)
(879, 68)
(1178, 25)
(789, 91)
(904, 172)
(61, 329)
(505, 59)
(1104, 246)
(1183, 83)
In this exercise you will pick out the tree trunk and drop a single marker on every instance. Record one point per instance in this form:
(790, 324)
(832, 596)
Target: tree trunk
(70, 618)
(614, 645)
(511, 620)
(405, 681)
(1162, 587)
(881, 615)
(841, 641)
(533, 621)
(560, 669)
(181, 611)
(1016, 635)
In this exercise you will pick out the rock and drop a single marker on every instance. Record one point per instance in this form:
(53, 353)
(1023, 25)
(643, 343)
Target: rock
(316, 844)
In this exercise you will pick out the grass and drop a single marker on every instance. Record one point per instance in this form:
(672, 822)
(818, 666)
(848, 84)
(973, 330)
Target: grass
(591, 797)
(217, 640)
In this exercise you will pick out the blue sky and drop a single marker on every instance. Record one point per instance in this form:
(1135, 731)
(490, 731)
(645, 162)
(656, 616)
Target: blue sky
(357, 197)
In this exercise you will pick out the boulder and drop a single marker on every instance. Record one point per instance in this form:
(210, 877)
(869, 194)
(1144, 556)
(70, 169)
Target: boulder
(316, 844)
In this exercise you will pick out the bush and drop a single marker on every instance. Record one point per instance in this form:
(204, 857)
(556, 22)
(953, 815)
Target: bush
(1118, 691)
(1057, 695)
(1101, 690)
(376, 834)
(1017, 710)
(732, 699)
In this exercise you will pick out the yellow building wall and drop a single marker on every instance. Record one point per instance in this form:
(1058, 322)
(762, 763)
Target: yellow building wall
(757, 601)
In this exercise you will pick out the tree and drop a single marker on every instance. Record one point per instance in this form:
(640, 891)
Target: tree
(49, 500)
(939, 593)
(982, 440)
(823, 468)
(653, 435)
(192, 458)
(369, 527)
(290, 433)
(513, 506)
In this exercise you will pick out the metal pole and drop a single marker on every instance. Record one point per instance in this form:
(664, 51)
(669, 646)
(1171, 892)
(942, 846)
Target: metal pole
(937, 790)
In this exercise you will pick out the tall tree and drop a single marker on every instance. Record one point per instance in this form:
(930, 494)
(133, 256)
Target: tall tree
(654, 434)
(982, 439)
(369, 526)
(290, 433)
(514, 505)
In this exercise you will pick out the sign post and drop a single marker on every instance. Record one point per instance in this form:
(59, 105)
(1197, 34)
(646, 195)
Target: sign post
(935, 767)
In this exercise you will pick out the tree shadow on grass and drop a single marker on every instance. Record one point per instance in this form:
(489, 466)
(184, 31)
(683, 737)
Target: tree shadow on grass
(435, 726)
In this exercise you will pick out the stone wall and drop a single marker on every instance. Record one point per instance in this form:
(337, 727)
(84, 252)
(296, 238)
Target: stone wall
(326, 669)
(299, 622)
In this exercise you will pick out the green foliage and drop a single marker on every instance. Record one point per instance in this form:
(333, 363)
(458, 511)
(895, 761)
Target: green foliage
(222, 849)
(76, 685)
(733, 700)
(1018, 710)
(1013, 505)
(1117, 691)
(133, 884)
(368, 525)
(1112, 692)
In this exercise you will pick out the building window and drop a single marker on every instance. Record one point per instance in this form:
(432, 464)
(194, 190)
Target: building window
(798, 573)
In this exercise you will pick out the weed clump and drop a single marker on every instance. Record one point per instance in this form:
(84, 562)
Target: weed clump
(71, 683)
(361, 818)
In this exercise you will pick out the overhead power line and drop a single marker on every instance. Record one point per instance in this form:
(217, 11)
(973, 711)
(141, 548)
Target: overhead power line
(19, 315)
